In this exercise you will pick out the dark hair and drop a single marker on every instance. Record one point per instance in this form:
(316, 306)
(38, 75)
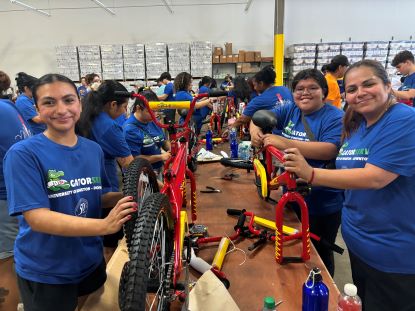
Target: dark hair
(94, 102)
(402, 57)
(266, 75)
(89, 78)
(324, 68)
(165, 75)
(336, 62)
(352, 119)
(149, 95)
(48, 79)
(23, 79)
(213, 84)
(181, 82)
(205, 80)
(4, 81)
(314, 74)
(241, 89)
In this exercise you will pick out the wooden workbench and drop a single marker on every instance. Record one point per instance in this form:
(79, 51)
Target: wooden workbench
(259, 275)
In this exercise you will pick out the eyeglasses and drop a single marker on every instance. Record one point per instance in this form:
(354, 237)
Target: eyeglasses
(311, 90)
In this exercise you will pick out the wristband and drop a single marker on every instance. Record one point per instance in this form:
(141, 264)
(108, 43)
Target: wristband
(310, 181)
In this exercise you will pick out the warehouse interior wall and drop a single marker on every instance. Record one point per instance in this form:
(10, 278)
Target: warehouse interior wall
(29, 39)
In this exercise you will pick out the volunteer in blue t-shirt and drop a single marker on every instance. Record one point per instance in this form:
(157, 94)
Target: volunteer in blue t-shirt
(144, 137)
(83, 88)
(319, 141)
(204, 87)
(168, 95)
(12, 129)
(270, 96)
(405, 63)
(97, 122)
(57, 192)
(376, 167)
(25, 103)
(183, 85)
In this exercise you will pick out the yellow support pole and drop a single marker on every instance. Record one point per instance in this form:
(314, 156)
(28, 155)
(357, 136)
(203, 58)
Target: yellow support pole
(279, 42)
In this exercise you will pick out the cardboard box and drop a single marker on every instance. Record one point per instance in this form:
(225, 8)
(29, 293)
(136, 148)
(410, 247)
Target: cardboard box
(241, 56)
(257, 56)
(239, 68)
(215, 59)
(267, 59)
(222, 59)
(217, 51)
(249, 56)
(229, 58)
(228, 48)
(246, 67)
(235, 58)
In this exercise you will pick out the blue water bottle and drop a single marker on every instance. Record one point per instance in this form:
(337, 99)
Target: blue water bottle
(315, 292)
(209, 139)
(233, 144)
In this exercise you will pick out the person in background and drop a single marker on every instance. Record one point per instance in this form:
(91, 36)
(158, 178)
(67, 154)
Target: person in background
(12, 129)
(270, 97)
(144, 137)
(83, 88)
(227, 83)
(204, 87)
(240, 91)
(100, 108)
(315, 129)
(58, 191)
(335, 71)
(26, 105)
(253, 93)
(93, 81)
(404, 63)
(375, 165)
(183, 85)
(324, 69)
(168, 95)
(6, 91)
(161, 87)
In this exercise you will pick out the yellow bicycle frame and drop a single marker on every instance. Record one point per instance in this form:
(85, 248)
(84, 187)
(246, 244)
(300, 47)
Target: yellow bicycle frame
(261, 173)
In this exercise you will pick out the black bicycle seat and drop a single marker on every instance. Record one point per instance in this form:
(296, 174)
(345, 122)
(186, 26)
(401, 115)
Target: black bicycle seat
(265, 120)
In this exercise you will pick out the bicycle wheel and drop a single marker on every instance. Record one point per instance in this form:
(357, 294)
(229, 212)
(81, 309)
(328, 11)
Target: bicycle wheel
(237, 163)
(139, 182)
(145, 282)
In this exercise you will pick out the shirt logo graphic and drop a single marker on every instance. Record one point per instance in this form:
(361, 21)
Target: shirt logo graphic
(81, 208)
(55, 183)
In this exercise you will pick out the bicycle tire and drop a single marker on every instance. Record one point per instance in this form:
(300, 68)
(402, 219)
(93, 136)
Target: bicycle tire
(141, 274)
(138, 176)
(237, 163)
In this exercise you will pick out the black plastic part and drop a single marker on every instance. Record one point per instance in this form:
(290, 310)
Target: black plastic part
(257, 243)
(234, 212)
(218, 93)
(292, 260)
(333, 247)
(241, 222)
(265, 120)
(237, 163)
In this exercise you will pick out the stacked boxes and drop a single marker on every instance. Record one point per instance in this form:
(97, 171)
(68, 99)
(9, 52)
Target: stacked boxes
(156, 59)
(112, 62)
(377, 50)
(353, 51)
(303, 56)
(325, 52)
(89, 59)
(134, 63)
(201, 58)
(67, 61)
(179, 58)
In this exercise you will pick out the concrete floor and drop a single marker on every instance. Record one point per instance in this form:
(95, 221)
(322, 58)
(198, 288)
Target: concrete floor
(342, 273)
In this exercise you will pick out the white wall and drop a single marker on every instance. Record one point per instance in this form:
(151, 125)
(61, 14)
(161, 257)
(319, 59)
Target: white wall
(28, 39)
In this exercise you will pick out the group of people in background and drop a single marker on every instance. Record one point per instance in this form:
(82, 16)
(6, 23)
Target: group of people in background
(62, 183)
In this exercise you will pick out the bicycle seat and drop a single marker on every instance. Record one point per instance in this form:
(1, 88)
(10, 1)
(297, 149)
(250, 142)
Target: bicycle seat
(265, 120)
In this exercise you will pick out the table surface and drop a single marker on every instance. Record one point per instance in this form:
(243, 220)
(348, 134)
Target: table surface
(253, 275)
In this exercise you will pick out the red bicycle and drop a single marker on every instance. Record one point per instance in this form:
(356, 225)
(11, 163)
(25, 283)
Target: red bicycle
(156, 235)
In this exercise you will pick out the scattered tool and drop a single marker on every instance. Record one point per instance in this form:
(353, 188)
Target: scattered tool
(210, 189)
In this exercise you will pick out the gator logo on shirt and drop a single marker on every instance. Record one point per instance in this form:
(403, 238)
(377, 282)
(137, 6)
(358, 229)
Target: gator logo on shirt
(55, 183)
(289, 128)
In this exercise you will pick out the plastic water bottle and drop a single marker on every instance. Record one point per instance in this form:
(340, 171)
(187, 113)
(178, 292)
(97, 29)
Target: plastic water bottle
(243, 150)
(209, 139)
(269, 304)
(349, 301)
(315, 292)
(233, 144)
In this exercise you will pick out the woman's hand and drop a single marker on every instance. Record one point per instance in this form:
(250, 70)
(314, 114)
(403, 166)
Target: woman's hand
(119, 215)
(256, 136)
(276, 141)
(165, 155)
(295, 163)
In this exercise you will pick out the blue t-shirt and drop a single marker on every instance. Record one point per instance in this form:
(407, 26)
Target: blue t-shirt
(204, 110)
(197, 113)
(82, 91)
(326, 126)
(67, 180)
(27, 109)
(169, 90)
(269, 99)
(12, 129)
(378, 225)
(121, 119)
(145, 139)
(408, 83)
(109, 135)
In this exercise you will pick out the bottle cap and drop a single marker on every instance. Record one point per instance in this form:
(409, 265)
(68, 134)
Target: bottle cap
(269, 302)
(350, 289)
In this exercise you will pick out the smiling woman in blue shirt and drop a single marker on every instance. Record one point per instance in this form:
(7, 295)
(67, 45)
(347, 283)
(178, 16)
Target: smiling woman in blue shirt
(376, 167)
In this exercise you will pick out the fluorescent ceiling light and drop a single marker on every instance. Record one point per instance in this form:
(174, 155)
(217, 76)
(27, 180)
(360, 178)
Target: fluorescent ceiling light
(168, 6)
(104, 6)
(248, 5)
(27, 6)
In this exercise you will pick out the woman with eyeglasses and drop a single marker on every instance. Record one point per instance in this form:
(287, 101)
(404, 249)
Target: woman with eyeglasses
(313, 127)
